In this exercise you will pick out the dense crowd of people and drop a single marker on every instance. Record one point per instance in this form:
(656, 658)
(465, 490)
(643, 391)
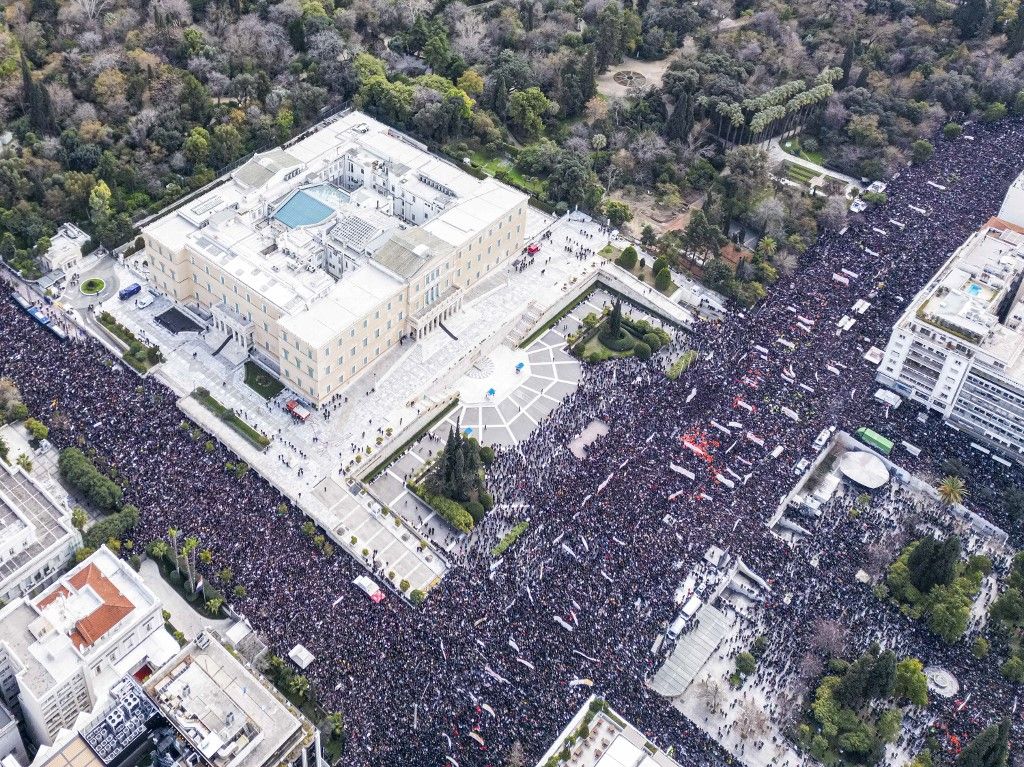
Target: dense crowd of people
(600, 556)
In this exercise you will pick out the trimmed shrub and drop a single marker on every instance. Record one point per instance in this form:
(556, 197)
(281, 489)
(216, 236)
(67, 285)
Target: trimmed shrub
(487, 455)
(642, 351)
(652, 340)
(452, 511)
(627, 259)
(623, 343)
(486, 500)
(476, 510)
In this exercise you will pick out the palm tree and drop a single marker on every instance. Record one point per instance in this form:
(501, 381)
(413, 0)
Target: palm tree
(158, 549)
(299, 686)
(214, 605)
(336, 722)
(174, 533)
(952, 490)
(189, 549)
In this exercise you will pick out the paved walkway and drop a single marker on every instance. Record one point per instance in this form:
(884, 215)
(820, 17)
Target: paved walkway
(313, 462)
(508, 417)
(777, 154)
(184, 618)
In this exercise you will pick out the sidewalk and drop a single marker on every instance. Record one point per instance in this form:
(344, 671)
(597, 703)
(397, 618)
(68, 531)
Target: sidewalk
(184, 618)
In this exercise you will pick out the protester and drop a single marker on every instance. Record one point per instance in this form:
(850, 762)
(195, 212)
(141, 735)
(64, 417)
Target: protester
(600, 554)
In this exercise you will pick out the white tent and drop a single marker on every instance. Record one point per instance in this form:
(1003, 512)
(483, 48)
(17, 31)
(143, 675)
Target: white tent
(300, 656)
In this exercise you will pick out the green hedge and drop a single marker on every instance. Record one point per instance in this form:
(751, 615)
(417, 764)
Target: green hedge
(623, 343)
(117, 526)
(203, 397)
(76, 467)
(510, 537)
(452, 511)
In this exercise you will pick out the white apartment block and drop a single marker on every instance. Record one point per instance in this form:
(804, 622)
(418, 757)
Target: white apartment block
(11, 744)
(228, 714)
(1012, 209)
(319, 257)
(37, 539)
(958, 349)
(61, 651)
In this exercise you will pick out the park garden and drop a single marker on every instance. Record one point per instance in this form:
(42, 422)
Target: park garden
(929, 581)
(857, 708)
(614, 335)
(454, 483)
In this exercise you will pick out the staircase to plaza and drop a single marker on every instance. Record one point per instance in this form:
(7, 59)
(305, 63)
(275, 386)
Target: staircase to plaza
(524, 326)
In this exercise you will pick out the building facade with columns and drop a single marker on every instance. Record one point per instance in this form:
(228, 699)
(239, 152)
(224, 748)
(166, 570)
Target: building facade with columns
(318, 257)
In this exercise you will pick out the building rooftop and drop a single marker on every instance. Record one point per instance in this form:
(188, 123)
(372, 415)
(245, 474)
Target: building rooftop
(976, 296)
(74, 753)
(91, 600)
(53, 635)
(292, 224)
(122, 724)
(610, 741)
(406, 252)
(227, 713)
(31, 523)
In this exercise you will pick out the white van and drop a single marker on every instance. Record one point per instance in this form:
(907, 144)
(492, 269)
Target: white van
(145, 300)
(801, 466)
(676, 628)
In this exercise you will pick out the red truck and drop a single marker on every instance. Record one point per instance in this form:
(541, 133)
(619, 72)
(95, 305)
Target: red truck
(299, 413)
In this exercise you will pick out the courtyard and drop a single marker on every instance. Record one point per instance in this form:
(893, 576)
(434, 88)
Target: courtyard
(503, 392)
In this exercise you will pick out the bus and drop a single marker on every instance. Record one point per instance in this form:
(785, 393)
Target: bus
(874, 439)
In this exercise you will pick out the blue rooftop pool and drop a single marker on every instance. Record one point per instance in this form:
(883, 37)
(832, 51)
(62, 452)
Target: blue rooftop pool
(302, 210)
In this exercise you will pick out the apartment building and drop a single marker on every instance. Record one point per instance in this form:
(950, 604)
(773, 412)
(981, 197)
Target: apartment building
(958, 349)
(37, 539)
(62, 651)
(228, 714)
(318, 257)
(1012, 209)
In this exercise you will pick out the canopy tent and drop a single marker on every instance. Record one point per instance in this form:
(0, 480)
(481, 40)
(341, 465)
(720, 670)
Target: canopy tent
(300, 656)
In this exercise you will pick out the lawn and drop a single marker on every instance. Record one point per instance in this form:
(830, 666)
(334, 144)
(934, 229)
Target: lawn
(92, 286)
(792, 146)
(799, 173)
(204, 398)
(261, 382)
(491, 165)
(138, 355)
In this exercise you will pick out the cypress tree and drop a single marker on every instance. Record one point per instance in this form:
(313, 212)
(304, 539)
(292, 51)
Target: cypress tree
(846, 66)
(920, 561)
(35, 99)
(615, 320)
(1015, 33)
(989, 748)
(969, 17)
(883, 677)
